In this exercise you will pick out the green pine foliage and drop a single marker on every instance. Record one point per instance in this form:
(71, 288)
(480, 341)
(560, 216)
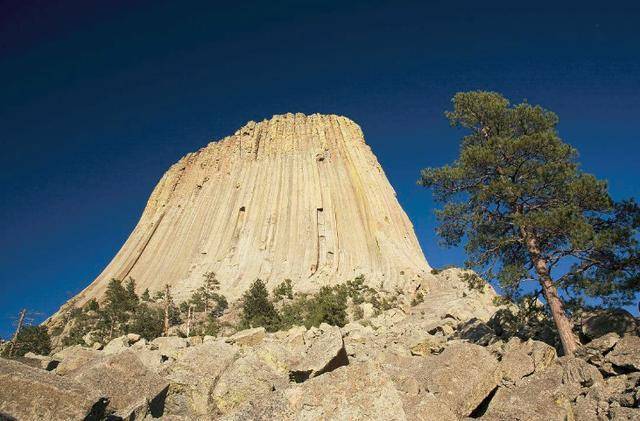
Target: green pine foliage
(329, 306)
(518, 199)
(284, 290)
(257, 309)
(30, 339)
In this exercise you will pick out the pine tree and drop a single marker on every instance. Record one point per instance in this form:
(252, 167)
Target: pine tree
(257, 310)
(527, 212)
(209, 291)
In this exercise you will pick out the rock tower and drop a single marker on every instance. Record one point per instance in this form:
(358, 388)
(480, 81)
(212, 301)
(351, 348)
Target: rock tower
(294, 197)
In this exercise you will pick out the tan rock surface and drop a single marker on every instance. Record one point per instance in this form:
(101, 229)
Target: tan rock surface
(298, 197)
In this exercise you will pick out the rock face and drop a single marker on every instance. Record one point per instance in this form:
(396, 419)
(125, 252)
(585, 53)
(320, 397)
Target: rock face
(294, 197)
(33, 394)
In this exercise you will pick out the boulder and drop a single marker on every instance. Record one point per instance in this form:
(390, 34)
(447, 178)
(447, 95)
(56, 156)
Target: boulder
(476, 331)
(29, 393)
(462, 376)
(117, 345)
(74, 357)
(192, 378)
(133, 338)
(133, 390)
(248, 378)
(325, 352)
(427, 345)
(44, 362)
(169, 346)
(546, 395)
(523, 358)
(626, 353)
(248, 337)
(606, 321)
(360, 391)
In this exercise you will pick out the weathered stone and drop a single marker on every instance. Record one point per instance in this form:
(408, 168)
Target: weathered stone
(605, 321)
(427, 345)
(169, 346)
(41, 361)
(325, 352)
(133, 338)
(462, 376)
(516, 361)
(74, 357)
(476, 331)
(360, 391)
(547, 395)
(248, 337)
(626, 353)
(523, 358)
(133, 390)
(116, 345)
(247, 379)
(31, 394)
(192, 377)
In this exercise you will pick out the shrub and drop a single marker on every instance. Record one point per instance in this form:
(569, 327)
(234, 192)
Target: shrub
(284, 290)
(30, 339)
(329, 305)
(419, 298)
(257, 310)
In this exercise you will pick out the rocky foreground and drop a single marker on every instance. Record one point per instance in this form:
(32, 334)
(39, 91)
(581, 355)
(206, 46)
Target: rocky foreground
(440, 360)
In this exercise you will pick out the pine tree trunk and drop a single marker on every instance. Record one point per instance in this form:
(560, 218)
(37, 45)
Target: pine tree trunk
(562, 322)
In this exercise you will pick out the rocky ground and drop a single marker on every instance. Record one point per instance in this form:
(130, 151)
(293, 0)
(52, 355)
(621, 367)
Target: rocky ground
(439, 360)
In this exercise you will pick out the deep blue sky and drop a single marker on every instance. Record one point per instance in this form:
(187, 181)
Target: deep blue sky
(98, 99)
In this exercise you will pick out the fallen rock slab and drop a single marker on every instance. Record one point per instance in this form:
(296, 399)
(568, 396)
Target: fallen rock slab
(360, 391)
(325, 353)
(29, 393)
(192, 378)
(248, 337)
(626, 353)
(133, 391)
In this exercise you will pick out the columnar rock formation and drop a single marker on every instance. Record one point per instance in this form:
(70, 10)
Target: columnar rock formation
(298, 197)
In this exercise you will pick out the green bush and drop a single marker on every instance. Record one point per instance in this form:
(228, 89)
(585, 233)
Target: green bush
(257, 310)
(284, 290)
(147, 321)
(30, 339)
(329, 305)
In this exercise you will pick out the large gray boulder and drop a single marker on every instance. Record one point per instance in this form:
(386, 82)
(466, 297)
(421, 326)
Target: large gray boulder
(626, 353)
(606, 321)
(75, 357)
(133, 391)
(192, 378)
(523, 358)
(462, 376)
(360, 391)
(28, 393)
(248, 337)
(169, 346)
(548, 395)
(325, 352)
(248, 378)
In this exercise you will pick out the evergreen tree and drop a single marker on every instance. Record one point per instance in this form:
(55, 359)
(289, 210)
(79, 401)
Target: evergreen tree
(329, 305)
(209, 291)
(30, 339)
(146, 296)
(527, 211)
(257, 310)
